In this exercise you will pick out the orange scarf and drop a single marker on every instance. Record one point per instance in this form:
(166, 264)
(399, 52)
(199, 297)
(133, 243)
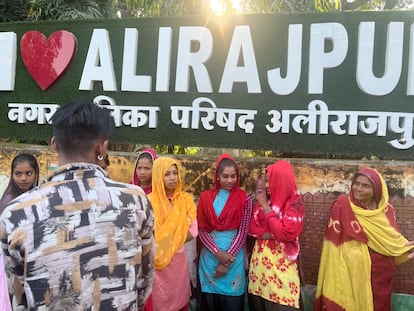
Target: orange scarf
(173, 218)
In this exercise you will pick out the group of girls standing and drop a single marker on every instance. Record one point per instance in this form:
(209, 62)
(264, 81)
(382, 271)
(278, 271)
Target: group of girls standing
(362, 239)
(222, 220)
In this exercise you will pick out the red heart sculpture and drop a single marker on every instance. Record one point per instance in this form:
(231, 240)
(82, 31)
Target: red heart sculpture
(46, 59)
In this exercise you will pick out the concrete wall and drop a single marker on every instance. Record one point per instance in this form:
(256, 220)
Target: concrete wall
(320, 181)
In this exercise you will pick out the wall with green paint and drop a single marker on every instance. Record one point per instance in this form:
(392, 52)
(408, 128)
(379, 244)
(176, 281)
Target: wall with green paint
(309, 85)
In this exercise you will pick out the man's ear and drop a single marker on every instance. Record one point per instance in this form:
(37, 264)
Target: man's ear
(53, 144)
(105, 147)
(102, 148)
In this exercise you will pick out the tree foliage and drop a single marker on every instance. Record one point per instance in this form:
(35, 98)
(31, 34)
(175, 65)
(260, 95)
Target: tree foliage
(143, 8)
(69, 9)
(20, 10)
(16, 10)
(271, 6)
(26, 10)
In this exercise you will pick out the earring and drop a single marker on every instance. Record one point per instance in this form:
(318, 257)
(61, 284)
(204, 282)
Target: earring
(100, 157)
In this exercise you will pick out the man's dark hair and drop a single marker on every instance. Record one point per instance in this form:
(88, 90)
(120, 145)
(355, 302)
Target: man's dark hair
(78, 124)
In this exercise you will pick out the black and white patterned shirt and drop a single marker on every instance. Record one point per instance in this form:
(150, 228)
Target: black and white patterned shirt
(79, 241)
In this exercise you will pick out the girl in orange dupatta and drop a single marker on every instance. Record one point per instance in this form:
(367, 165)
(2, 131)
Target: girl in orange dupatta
(362, 244)
(175, 223)
(277, 222)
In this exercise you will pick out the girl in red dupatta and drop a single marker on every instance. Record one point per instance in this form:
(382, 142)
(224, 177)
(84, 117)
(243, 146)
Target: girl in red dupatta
(277, 223)
(362, 244)
(223, 216)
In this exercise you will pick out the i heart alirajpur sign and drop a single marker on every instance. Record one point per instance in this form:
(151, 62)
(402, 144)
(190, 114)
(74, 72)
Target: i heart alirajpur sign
(301, 84)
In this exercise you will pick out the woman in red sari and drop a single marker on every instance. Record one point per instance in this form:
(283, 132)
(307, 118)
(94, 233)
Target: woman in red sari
(361, 247)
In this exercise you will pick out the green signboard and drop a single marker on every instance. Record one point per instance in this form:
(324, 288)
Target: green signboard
(304, 84)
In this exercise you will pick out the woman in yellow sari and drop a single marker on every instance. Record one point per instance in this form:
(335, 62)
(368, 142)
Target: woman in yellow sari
(175, 223)
(361, 247)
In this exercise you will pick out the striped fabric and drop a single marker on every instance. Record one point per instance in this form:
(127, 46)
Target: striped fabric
(80, 241)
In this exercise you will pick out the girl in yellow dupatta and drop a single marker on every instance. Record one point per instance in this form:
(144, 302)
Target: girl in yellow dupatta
(362, 244)
(175, 223)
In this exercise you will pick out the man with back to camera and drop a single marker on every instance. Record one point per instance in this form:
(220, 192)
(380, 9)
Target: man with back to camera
(79, 241)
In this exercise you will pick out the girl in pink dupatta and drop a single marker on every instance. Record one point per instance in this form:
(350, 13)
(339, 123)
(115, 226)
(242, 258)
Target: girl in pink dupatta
(142, 175)
(276, 223)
